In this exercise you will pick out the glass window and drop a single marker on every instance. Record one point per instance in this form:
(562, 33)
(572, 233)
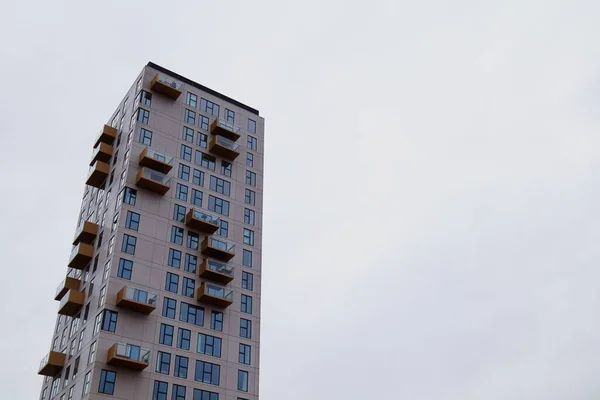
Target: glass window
(188, 287)
(193, 240)
(191, 314)
(246, 304)
(248, 216)
(247, 258)
(209, 345)
(205, 160)
(143, 115)
(216, 321)
(209, 107)
(203, 122)
(102, 297)
(132, 221)
(174, 258)
(250, 197)
(166, 334)
(202, 140)
(146, 137)
(218, 205)
(86, 383)
(185, 152)
(252, 143)
(248, 237)
(190, 117)
(251, 126)
(229, 116)
(242, 381)
(250, 178)
(247, 280)
(177, 235)
(226, 168)
(250, 159)
(109, 320)
(169, 306)
(181, 192)
(207, 372)
(223, 228)
(183, 338)
(244, 354)
(220, 185)
(188, 134)
(163, 362)
(205, 395)
(160, 390)
(172, 282)
(184, 172)
(145, 98)
(130, 196)
(198, 178)
(179, 213)
(181, 369)
(192, 100)
(196, 198)
(191, 262)
(128, 244)
(107, 382)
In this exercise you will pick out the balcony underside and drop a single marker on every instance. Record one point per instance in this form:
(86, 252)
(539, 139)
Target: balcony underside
(123, 362)
(54, 364)
(219, 150)
(212, 275)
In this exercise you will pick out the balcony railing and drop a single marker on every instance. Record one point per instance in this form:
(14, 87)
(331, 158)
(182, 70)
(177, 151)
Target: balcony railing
(214, 295)
(221, 146)
(198, 219)
(128, 356)
(216, 271)
(137, 300)
(98, 174)
(153, 180)
(81, 255)
(86, 233)
(224, 128)
(71, 303)
(155, 160)
(67, 284)
(166, 85)
(52, 364)
(218, 248)
(107, 135)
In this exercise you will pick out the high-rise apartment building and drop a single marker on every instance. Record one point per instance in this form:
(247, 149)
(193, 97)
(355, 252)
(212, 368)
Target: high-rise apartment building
(161, 298)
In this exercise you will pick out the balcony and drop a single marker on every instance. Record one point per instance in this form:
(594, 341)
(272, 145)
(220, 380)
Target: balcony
(129, 356)
(81, 255)
(136, 300)
(167, 86)
(221, 146)
(201, 221)
(214, 295)
(71, 303)
(52, 364)
(102, 153)
(67, 284)
(86, 233)
(153, 180)
(226, 129)
(216, 271)
(155, 160)
(107, 135)
(98, 174)
(217, 248)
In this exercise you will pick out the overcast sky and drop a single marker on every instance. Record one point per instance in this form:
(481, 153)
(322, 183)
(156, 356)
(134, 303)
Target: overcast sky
(432, 186)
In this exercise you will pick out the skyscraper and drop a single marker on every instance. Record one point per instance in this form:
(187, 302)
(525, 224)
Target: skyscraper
(161, 297)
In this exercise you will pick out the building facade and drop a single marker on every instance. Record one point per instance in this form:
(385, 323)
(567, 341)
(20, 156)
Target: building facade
(161, 298)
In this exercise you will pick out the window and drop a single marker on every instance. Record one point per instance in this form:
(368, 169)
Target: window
(169, 306)
(223, 228)
(81, 336)
(205, 160)
(202, 140)
(132, 221)
(97, 323)
(184, 172)
(188, 287)
(73, 347)
(166, 335)
(181, 367)
(178, 391)
(207, 372)
(220, 185)
(76, 367)
(172, 283)
(245, 328)
(198, 178)
(177, 235)
(179, 212)
(242, 384)
(248, 237)
(102, 297)
(209, 107)
(44, 393)
(248, 216)
(184, 337)
(203, 122)
(196, 198)
(146, 98)
(218, 205)
(99, 241)
(109, 320)
(250, 178)
(160, 390)
(188, 134)
(128, 244)
(55, 387)
(229, 116)
(130, 196)
(143, 115)
(115, 222)
(163, 362)
(252, 143)
(66, 378)
(209, 345)
(244, 356)
(246, 304)
(107, 382)
(125, 269)
(174, 258)
(216, 321)
(190, 117)
(185, 152)
(192, 100)
(86, 383)
(191, 314)
(205, 395)
(250, 197)
(247, 258)
(251, 126)
(226, 168)
(181, 192)
(247, 280)
(191, 262)
(193, 240)
(250, 159)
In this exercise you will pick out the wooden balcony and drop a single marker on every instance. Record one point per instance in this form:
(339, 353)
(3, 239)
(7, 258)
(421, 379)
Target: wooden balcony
(67, 284)
(155, 160)
(128, 356)
(98, 174)
(102, 153)
(86, 233)
(226, 129)
(224, 147)
(153, 180)
(107, 135)
(216, 271)
(201, 221)
(166, 86)
(136, 300)
(71, 303)
(81, 255)
(214, 295)
(52, 364)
